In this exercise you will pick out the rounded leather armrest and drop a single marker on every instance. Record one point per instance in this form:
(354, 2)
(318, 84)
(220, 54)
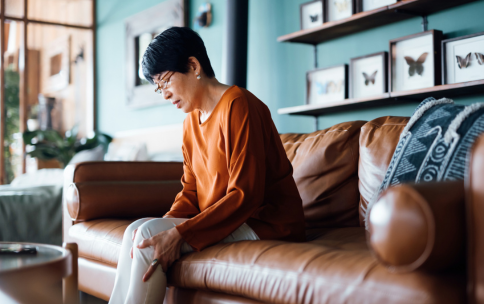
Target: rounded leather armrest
(419, 226)
(92, 200)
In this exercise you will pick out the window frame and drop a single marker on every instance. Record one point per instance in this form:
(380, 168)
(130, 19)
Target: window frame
(23, 69)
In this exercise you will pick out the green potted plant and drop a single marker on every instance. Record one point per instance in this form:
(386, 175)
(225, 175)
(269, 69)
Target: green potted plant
(49, 144)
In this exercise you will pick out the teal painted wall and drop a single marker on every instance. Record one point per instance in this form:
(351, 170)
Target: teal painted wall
(112, 113)
(276, 71)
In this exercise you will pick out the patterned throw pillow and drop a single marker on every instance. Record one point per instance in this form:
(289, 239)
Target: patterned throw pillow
(434, 144)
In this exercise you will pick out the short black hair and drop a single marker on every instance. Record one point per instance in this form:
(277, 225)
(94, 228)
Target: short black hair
(170, 50)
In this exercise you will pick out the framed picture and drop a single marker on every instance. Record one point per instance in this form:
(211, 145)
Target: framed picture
(327, 84)
(368, 75)
(414, 61)
(141, 28)
(59, 64)
(463, 58)
(312, 14)
(339, 9)
(368, 5)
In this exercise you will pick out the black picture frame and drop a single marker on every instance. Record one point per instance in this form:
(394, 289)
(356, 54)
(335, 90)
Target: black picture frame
(436, 46)
(308, 84)
(384, 56)
(323, 13)
(444, 53)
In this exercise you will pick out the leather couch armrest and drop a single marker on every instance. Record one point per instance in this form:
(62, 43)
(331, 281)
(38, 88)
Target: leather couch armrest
(109, 171)
(475, 228)
(92, 200)
(419, 226)
(124, 171)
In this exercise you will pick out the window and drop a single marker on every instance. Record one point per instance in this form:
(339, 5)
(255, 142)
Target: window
(47, 74)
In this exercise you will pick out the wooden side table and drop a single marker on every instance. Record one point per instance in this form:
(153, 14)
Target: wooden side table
(36, 278)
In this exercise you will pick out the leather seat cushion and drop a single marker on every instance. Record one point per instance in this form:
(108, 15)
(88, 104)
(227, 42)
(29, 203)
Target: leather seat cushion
(100, 240)
(337, 267)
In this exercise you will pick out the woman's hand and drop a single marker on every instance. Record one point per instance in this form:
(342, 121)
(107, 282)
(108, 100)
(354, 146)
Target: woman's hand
(167, 245)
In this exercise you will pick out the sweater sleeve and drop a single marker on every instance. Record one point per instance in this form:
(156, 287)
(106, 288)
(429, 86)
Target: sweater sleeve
(244, 145)
(186, 202)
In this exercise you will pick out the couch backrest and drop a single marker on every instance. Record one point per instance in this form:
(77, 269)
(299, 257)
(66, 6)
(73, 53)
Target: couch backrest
(339, 169)
(326, 173)
(378, 140)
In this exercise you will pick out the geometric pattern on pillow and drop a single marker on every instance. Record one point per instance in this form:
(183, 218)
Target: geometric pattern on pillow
(434, 144)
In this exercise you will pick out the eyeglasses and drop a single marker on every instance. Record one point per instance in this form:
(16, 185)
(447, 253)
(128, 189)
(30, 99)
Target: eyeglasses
(164, 83)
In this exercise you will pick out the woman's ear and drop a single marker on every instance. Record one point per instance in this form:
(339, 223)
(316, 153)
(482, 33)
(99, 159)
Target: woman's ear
(194, 65)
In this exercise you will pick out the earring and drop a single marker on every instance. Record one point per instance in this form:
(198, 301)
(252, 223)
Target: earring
(199, 77)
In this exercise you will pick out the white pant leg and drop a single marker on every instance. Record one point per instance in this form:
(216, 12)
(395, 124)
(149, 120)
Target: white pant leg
(153, 291)
(123, 271)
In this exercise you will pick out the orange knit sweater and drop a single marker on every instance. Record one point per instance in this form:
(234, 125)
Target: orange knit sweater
(236, 171)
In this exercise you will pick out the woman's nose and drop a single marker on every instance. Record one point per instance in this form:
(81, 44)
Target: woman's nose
(166, 94)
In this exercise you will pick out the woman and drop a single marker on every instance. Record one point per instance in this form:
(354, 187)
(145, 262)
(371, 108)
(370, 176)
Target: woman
(237, 181)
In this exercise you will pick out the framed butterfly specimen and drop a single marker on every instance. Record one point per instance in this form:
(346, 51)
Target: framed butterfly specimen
(414, 61)
(463, 59)
(327, 85)
(340, 9)
(368, 75)
(312, 14)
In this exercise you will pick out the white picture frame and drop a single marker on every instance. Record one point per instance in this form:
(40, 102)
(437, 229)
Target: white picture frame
(153, 20)
(368, 75)
(327, 85)
(414, 61)
(462, 46)
(339, 9)
(368, 5)
(312, 14)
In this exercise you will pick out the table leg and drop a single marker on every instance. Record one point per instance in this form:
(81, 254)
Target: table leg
(70, 284)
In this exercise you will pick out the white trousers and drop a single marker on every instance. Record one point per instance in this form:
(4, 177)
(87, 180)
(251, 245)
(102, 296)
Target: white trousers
(128, 286)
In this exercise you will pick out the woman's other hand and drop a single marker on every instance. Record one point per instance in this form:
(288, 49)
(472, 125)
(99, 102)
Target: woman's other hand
(167, 245)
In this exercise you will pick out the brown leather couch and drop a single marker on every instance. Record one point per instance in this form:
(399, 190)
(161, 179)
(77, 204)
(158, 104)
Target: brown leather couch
(337, 171)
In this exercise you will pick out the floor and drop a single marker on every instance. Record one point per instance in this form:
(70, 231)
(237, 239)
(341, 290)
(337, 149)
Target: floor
(88, 299)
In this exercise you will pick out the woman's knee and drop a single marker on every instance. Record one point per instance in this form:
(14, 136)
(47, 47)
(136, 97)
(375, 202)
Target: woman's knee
(133, 226)
(154, 226)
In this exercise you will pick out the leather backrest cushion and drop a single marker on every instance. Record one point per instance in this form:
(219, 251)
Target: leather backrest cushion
(378, 140)
(326, 173)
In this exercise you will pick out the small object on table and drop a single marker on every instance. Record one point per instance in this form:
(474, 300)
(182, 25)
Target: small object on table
(16, 249)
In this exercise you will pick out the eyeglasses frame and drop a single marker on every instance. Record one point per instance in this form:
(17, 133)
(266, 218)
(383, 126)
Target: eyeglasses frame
(164, 83)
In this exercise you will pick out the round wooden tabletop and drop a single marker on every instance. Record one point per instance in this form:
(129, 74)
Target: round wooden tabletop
(32, 278)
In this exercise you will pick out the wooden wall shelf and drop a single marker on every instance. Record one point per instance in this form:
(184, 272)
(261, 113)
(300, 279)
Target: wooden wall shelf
(370, 19)
(392, 98)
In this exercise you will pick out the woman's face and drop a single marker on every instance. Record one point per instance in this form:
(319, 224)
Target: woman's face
(181, 89)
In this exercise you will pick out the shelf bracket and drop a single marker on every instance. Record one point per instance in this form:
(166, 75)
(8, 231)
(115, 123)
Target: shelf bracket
(315, 56)
(425, 21)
